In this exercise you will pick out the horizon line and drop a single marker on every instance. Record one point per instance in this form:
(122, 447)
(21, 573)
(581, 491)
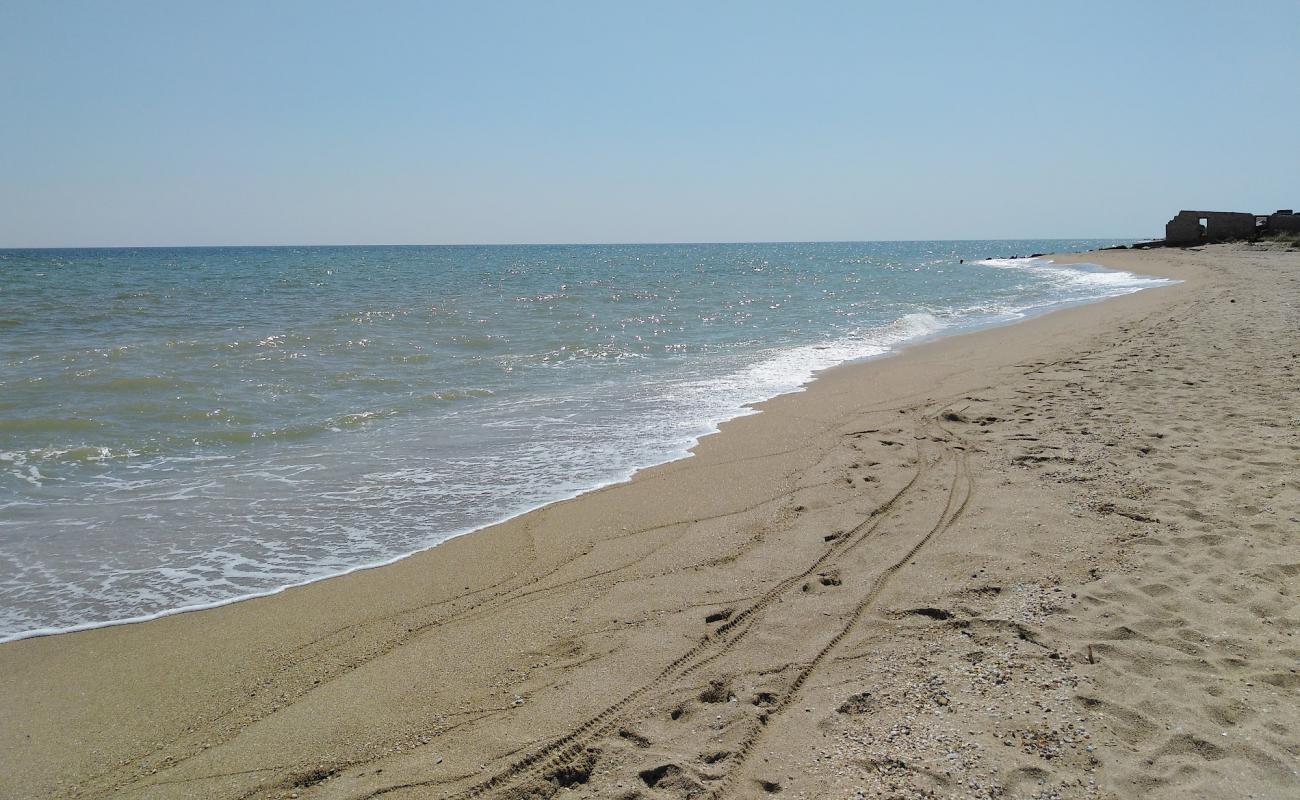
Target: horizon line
(562, 244)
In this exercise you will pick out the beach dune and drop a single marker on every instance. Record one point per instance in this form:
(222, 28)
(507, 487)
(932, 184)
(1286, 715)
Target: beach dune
(1052, 559)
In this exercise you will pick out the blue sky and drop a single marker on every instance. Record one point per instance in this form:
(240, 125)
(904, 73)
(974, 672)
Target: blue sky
(172, 123)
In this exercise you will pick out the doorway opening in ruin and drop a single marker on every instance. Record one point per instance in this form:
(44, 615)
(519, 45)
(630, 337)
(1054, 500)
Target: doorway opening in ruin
(1204, 222)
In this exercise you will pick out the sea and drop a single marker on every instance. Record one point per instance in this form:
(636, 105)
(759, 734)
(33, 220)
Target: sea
(182, 428)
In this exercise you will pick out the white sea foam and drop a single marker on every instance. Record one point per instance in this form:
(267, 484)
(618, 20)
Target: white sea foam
(699, 407)
(1079, 274)
(291, 513)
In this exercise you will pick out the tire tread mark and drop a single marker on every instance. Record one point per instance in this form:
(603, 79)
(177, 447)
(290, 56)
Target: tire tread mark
(963, 485)
(711, 647)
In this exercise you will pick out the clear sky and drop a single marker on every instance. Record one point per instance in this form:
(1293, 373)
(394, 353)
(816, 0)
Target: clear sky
(171, 123)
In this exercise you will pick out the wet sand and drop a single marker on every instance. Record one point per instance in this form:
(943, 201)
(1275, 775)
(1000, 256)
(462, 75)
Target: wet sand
(1054, 559)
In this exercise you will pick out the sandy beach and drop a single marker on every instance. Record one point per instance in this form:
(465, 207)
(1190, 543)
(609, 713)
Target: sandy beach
(1052, 559)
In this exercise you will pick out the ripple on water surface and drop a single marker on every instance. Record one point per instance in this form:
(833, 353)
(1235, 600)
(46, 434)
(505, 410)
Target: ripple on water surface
(183, 427)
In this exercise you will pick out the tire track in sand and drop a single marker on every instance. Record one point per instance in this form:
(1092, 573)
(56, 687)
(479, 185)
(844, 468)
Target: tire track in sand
(960, 492)
(560, 752)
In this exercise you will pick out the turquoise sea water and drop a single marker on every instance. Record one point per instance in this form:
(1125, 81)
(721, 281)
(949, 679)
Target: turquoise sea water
(183, 427)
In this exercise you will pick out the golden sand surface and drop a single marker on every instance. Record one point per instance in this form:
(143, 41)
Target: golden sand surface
(1052, 559)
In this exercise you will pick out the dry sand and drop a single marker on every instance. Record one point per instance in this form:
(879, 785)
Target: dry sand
(1055, 559)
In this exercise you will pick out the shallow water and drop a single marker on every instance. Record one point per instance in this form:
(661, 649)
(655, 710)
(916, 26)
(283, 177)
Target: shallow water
(182, 427)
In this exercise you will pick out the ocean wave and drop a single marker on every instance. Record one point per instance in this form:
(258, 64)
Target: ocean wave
(137, 383)
(80, 453)
(1081, 274)
(334, 424)
(178, 507)
(48, 425)
(455, 395)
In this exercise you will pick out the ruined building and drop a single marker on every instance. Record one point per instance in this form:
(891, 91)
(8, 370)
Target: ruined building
(1195, 227)
(1284, 221)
